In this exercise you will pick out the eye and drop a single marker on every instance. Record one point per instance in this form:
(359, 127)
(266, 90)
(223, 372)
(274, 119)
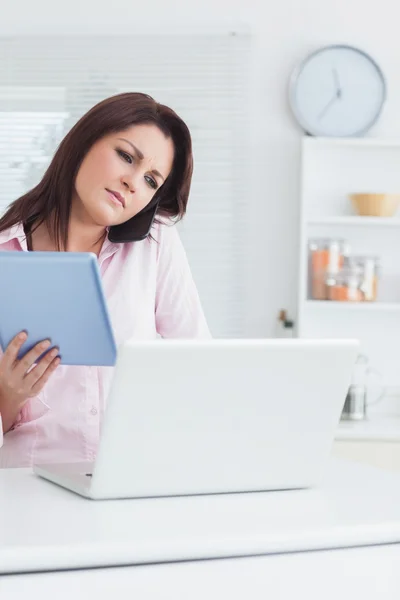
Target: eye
(152, 183)
(125, 156)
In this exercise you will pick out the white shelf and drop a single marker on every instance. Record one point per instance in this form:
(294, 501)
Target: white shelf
(355, 141)
(370, 306)
(330, 169)
(356, 220)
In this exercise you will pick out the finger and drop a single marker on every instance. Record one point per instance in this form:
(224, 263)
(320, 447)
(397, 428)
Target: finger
(39, 384)
(39, 369)
(26, 362)
(11, 352)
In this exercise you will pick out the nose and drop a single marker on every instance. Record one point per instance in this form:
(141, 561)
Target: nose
(128, 187)
(128, 181)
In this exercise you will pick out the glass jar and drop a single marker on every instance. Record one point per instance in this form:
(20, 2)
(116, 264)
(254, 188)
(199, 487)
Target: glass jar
(326, 258)
(345, 285)
(318, 260)
(370, 268)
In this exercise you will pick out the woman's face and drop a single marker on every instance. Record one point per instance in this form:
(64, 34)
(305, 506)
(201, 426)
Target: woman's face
(121, 173)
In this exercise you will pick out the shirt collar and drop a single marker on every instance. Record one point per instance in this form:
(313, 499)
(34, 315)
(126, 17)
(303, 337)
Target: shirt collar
(16, 232)
(108, 249)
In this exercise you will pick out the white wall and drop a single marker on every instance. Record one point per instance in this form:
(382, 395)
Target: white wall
(284, 32)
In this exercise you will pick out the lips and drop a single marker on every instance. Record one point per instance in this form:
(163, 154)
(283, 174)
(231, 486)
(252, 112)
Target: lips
(116, 196)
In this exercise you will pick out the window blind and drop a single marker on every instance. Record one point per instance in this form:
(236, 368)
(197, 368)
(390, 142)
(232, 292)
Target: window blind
(47, 83)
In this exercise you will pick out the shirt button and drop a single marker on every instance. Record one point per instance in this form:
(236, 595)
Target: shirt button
(94, 410)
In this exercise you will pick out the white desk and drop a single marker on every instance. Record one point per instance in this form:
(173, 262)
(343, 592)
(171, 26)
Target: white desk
(45, 528)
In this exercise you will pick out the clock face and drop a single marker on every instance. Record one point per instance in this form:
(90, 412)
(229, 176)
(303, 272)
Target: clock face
(337, 91)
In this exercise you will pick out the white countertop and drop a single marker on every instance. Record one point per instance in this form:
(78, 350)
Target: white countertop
(370, 573)
(385, 428)
(45, 527)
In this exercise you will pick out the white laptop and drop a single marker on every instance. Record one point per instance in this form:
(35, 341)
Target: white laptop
(213, 416)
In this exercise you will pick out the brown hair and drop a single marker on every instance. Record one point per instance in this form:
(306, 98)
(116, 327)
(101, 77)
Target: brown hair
(50, 200)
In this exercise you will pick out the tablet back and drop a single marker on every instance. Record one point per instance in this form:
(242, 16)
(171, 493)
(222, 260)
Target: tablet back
(56, 295)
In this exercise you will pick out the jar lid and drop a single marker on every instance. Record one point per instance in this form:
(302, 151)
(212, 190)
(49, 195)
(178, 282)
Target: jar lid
(349, 274)
(318, 243)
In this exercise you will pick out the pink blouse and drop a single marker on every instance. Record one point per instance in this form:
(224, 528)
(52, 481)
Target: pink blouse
(150, 292)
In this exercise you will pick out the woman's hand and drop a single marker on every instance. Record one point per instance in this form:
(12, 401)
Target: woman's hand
(21, 379)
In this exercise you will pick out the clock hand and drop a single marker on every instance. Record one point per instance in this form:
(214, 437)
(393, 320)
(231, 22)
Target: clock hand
(327, 107)
(337, 96)
(337, 83)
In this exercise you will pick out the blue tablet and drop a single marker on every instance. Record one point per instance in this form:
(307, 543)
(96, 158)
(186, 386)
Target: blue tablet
(56, 295)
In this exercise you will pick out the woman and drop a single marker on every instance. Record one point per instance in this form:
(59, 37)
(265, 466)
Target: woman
(117, 179)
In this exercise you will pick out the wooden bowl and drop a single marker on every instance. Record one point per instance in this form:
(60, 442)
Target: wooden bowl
(375, 205)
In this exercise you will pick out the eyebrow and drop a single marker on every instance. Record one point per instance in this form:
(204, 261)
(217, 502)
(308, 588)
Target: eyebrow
(141, 157)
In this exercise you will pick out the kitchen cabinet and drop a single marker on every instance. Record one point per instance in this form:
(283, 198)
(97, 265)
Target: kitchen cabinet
(384, 455)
